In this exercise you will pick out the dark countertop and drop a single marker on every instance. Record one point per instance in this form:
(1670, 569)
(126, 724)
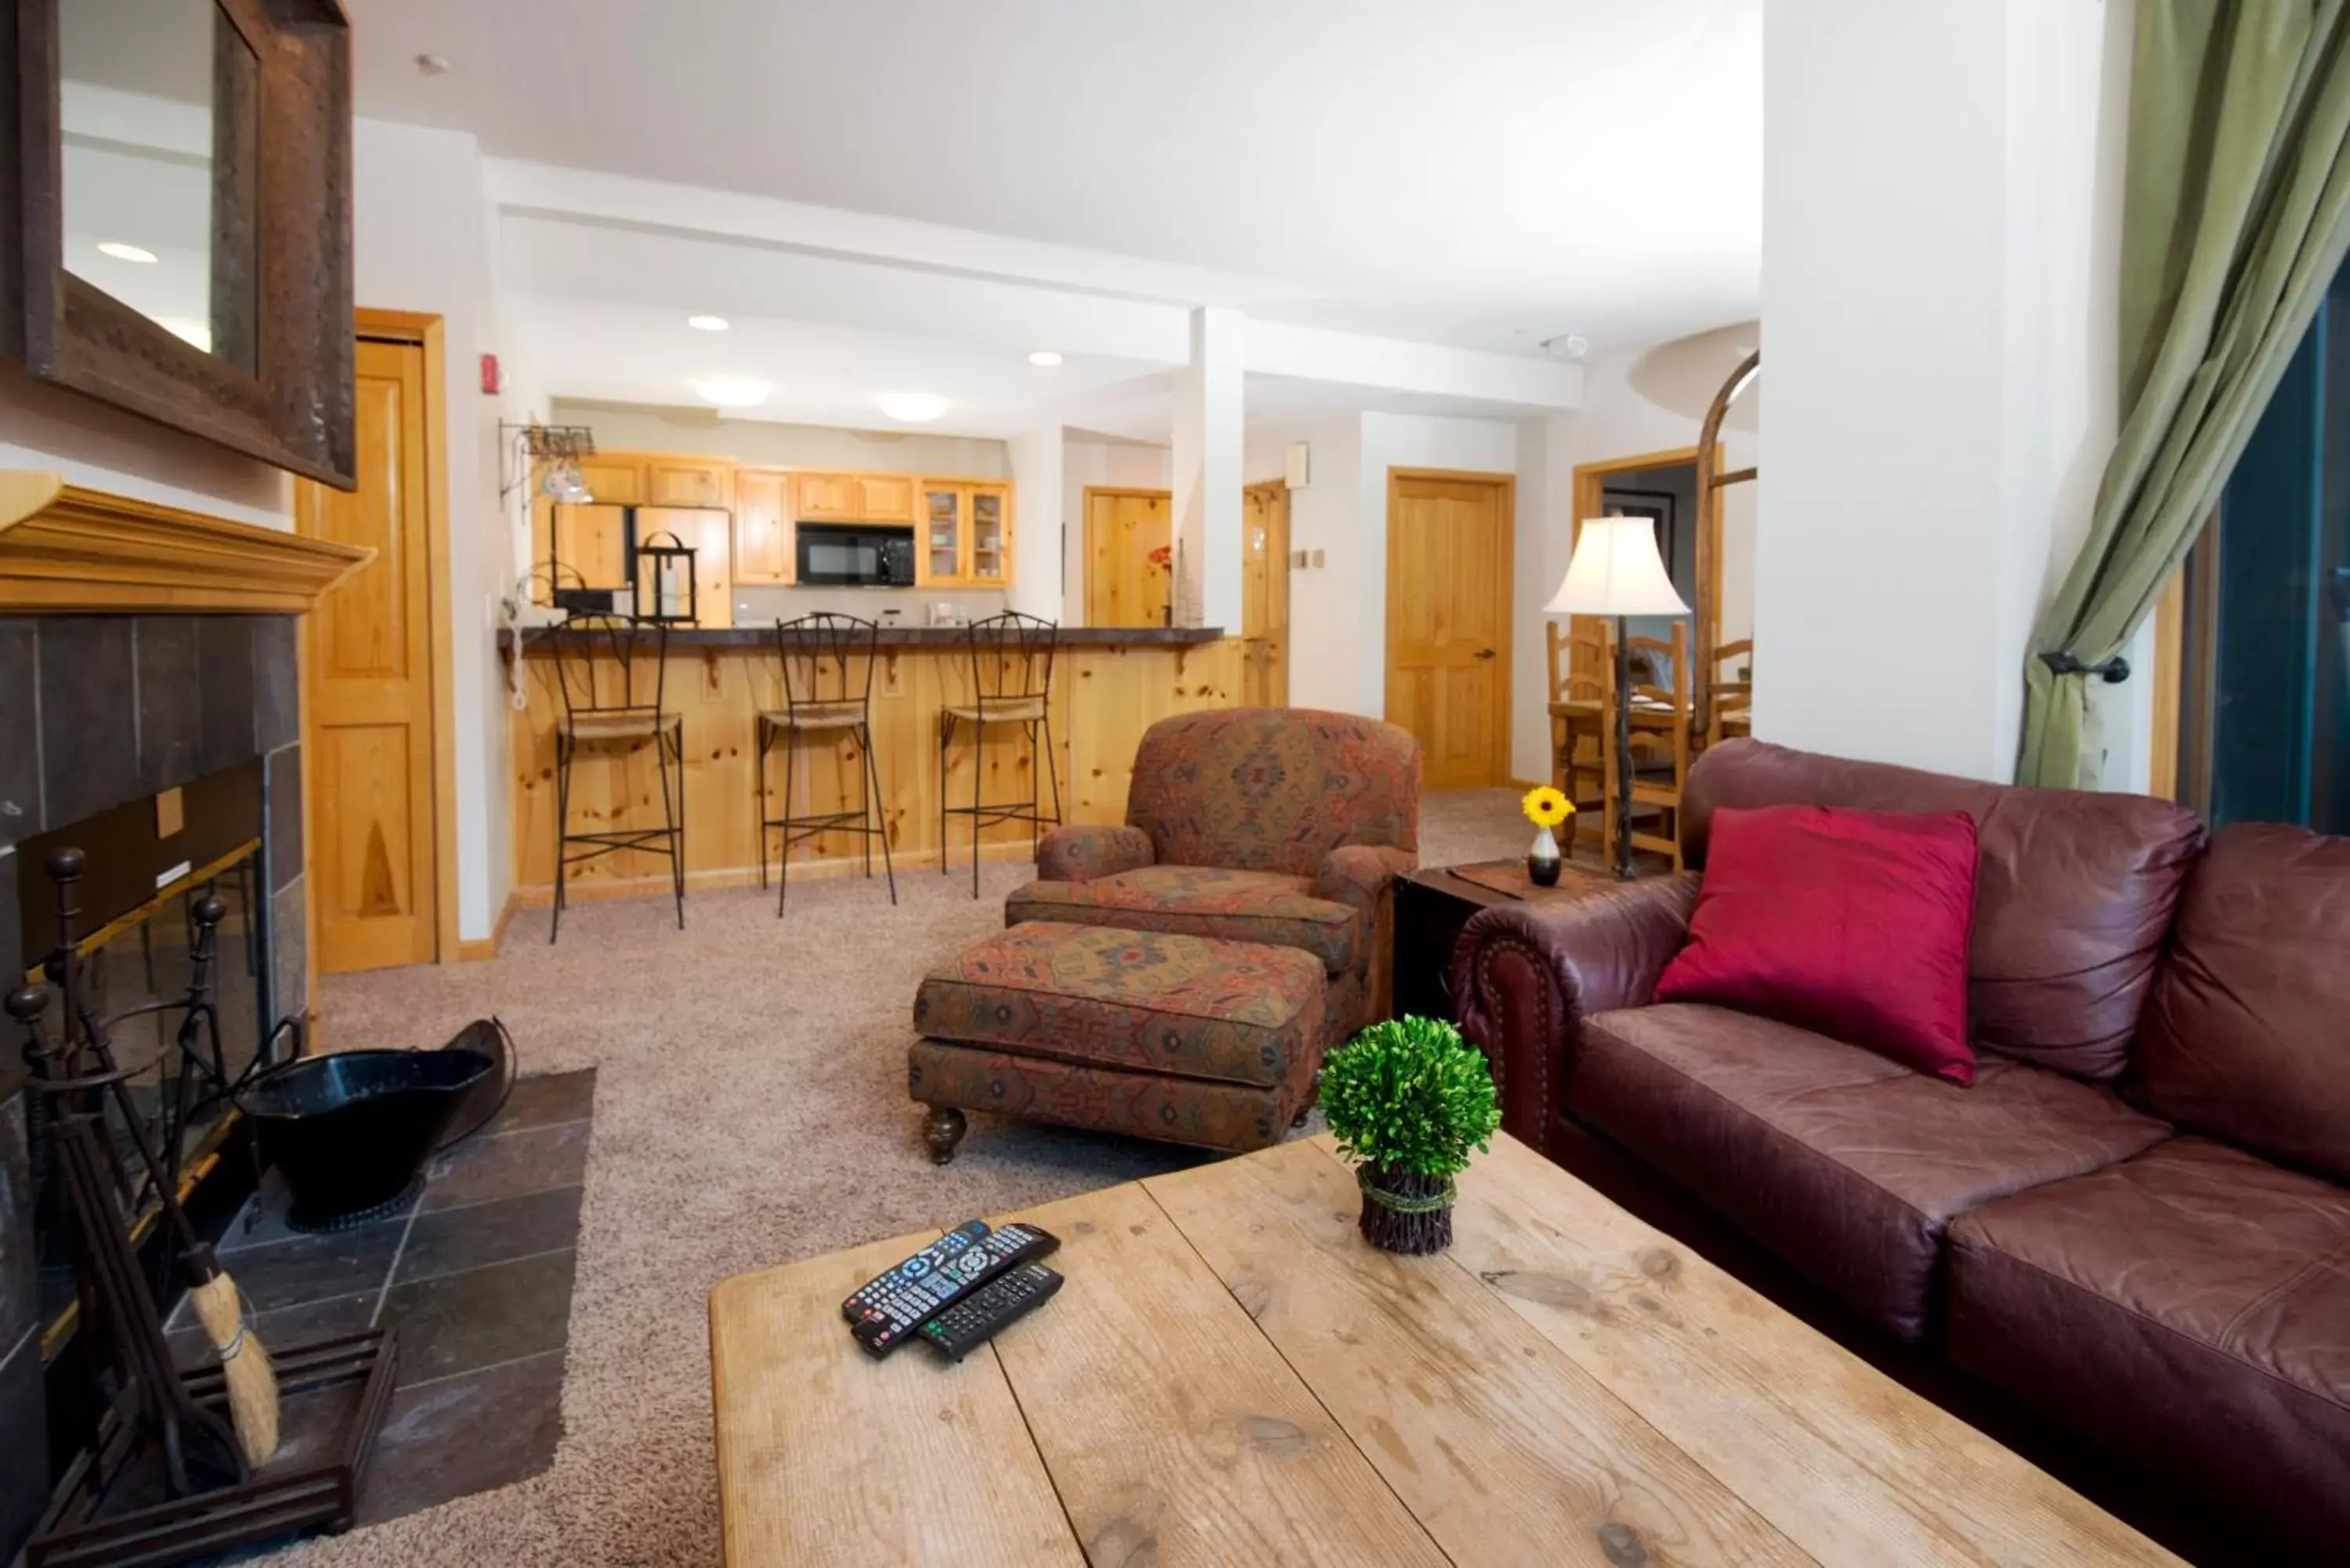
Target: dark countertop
(942, 637)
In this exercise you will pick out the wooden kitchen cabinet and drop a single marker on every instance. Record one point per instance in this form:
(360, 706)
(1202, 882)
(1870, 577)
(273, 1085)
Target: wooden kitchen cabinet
(884, 498)
(852, 498)
(989, 563)
(763, 526)
(614, 479)
(709, 534)
(940, 535)
(591, 541)
(825, 497)
(964, 537)
(670, 482)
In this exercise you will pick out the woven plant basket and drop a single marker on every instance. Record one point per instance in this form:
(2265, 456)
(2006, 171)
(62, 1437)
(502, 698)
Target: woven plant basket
(1404, 1212)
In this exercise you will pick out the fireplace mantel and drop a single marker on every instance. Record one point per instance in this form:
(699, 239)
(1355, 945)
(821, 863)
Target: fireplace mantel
(67, 550)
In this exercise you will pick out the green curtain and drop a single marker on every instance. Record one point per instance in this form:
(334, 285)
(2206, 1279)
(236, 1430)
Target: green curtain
(2232, 225)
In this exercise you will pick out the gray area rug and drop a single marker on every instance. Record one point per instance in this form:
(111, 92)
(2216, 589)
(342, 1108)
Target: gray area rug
(750, 1110)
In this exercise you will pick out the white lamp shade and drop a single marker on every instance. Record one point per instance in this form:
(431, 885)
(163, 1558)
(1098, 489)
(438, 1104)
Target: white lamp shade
(1615, 571)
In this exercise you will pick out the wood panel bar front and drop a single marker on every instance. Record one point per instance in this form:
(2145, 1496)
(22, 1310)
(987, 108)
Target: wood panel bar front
(1108, 689)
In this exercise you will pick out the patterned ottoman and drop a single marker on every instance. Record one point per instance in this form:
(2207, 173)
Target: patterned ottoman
(1188, 1039)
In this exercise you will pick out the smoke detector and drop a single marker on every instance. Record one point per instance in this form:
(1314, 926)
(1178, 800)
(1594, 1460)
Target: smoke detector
(1570, 347)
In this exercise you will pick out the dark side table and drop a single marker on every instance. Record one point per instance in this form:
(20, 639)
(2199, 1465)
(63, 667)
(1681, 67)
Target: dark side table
(1433, 903)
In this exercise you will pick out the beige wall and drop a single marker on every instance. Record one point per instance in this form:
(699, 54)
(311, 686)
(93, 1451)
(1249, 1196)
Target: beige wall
(635, 427)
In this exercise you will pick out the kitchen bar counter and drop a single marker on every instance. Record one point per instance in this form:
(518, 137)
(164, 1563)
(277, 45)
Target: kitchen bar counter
(924, 635)
(1110, 684)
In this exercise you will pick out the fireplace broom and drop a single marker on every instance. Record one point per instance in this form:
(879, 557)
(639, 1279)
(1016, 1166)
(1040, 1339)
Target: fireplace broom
(252, 1382)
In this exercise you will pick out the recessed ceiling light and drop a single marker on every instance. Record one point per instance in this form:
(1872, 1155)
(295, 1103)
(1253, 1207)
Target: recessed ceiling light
(706, 322)
(912, 408)
(733, 392)
(195, 332)
(1043, 356)
(120, 251)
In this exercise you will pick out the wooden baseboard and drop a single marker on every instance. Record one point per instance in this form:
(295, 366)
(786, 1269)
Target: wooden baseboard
(484, 947)
(657, 884)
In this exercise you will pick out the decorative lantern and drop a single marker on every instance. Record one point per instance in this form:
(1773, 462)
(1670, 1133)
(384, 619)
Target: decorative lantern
(665, 581)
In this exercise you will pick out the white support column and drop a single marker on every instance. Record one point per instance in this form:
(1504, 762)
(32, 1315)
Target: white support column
(1208, 395)
(1036, 562)
(1941, 201)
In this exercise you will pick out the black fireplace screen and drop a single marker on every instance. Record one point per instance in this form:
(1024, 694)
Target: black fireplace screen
(147, 964)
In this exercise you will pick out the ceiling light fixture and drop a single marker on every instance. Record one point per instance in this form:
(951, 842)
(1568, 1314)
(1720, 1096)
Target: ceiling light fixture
(1043, 356)
(912, 408)
(1569, 347)
(733, 392)
(123, 250)
(707, 323)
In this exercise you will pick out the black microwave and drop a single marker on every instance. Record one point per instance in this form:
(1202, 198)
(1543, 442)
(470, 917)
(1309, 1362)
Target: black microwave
(855, 556)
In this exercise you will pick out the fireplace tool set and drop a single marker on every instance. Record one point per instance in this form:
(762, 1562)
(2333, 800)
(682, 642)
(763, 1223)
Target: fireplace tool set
(190, 1463)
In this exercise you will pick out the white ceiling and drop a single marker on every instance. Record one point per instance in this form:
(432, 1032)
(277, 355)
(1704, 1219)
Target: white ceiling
(1481, 172)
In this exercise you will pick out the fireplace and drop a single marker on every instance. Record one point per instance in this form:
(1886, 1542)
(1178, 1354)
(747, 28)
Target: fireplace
(166, 748)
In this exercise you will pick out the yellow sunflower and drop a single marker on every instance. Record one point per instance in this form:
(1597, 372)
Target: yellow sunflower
(1547, 807)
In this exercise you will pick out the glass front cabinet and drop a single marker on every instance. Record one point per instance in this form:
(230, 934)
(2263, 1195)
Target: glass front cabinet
(965, 535)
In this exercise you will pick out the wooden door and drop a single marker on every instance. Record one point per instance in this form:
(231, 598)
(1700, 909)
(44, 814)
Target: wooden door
(1127, 574)
(990, 563)
(371, 685)
(763, 536)
(1449, 567)
(1265, 594)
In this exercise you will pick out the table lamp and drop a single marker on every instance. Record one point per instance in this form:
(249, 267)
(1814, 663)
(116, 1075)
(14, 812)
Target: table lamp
(1617, 572)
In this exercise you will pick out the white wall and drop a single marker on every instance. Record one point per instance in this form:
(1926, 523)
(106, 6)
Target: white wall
(1109, 465)
(423, 243)
(102, 447)
(1339, 611)
(1941, 192)
(1637, 402)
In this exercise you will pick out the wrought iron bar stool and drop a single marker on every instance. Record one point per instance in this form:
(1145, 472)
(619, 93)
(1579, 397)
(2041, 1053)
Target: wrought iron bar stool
(827, 662)
(611, 670)
(1011, 683)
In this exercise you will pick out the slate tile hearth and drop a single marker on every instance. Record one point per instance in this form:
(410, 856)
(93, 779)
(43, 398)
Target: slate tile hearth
(476, 1277)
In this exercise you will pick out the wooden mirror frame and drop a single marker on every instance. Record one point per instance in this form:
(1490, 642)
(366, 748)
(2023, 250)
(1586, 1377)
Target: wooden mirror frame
(294, 410)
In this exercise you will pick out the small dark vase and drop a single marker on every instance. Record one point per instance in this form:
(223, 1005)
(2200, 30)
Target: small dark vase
(1543, 860)
(1404, 1213)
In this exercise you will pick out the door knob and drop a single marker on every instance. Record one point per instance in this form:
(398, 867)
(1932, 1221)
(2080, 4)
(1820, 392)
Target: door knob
(1484, 653)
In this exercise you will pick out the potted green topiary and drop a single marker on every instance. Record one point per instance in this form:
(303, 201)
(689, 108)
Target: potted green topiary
(1408, 1099)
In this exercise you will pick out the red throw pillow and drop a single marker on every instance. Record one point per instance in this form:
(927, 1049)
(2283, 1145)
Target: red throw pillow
(1850, 923)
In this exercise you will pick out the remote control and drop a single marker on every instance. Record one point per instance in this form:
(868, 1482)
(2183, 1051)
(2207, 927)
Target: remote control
(987, 1311)
(890, 1321)
(921, 1265)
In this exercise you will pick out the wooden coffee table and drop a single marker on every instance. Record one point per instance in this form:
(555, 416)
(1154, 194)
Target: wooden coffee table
(1232, 1375)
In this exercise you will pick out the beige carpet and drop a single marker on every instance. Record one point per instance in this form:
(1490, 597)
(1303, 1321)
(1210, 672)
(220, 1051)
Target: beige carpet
(750, 1109)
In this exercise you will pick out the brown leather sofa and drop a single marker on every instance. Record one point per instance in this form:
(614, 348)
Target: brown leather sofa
(2136, 1224)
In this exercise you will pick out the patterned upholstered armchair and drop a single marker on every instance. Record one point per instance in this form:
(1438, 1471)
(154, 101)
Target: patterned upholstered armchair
(1281, 826)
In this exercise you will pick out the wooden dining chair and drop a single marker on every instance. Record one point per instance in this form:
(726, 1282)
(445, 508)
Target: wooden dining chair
(1660, 743)
(1733, 691)
(1578, 688)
